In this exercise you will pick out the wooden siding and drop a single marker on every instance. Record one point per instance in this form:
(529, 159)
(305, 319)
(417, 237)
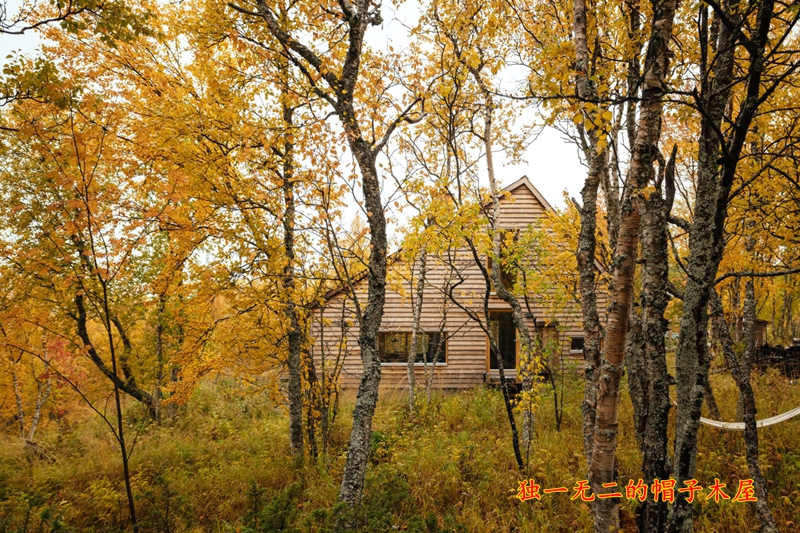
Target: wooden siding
(335, 328)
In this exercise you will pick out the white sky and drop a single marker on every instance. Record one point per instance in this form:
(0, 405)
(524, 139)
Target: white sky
(552, 166)
(551, 163)
(26, 43)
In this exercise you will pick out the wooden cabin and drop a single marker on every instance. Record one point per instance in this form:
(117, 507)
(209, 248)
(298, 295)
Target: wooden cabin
(464, 360)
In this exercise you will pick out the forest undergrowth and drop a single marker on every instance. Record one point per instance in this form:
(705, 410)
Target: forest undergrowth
(224, 465)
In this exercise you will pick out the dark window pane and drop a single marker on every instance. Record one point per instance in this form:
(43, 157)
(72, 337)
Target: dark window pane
(576, 345)
(505, 334)
(435, 348)
(392, 347)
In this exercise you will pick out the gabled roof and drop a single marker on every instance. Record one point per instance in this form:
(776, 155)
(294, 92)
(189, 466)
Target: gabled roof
(525, 182)
(521, 182)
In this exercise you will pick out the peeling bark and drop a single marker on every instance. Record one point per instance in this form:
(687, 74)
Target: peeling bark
(641, 172)
(652, 515)
(587, 243)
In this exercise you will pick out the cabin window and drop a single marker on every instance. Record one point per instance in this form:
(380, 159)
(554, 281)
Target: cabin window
(393, 347)
(576, 345)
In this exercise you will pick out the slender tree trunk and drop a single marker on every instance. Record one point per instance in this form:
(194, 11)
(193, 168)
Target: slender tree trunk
(18, 398)
(637, 374)
(42, 393)
(429, 373)
(602, 469)
(311, 406)
(786, 322)
(634, 81)
(492, 276)
(174, 373)
(417, 313)
(128, 385)
(117, 403)
(339, 90)
(493, 347)
(655, 457)
(640, 172)
(157, 392)
(367, 398)
(295, 334)
(748, 326)
(328, 397)
(591, 320)
(715, 176)
(741, 375)
(365, 154)
(527, 419)
(495, 350)
(527, 363)
(598, 161)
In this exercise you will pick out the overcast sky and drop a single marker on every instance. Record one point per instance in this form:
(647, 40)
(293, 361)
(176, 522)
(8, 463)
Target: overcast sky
(552, 164)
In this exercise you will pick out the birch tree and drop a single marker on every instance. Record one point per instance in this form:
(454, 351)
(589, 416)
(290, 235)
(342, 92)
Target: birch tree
(762, 30)
(337, 77)
(603, 371)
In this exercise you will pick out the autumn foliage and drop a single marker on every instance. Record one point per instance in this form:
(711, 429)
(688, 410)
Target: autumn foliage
(182, 184)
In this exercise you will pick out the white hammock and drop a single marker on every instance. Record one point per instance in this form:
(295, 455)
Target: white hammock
(739, 426)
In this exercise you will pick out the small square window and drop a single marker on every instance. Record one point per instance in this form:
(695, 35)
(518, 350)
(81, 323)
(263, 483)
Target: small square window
(576, 345)
(392, 347)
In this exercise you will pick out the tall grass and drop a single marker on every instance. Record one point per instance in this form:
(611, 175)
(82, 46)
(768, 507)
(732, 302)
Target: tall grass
(224, 465)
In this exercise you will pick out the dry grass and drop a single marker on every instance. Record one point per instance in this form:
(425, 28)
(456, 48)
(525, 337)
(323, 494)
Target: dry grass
(224, 466)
